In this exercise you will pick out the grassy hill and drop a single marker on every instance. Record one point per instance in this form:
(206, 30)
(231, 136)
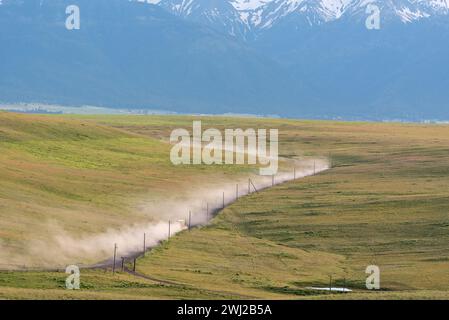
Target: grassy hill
(384, 202)
(66, 176)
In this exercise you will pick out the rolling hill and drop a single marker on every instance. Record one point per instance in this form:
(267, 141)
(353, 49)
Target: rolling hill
(384, 202)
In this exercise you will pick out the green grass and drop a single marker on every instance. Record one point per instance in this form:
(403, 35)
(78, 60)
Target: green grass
(385, 202)
(95, 284)
(82, 177)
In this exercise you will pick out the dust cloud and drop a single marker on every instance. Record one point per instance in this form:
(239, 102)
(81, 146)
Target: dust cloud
(60, 249)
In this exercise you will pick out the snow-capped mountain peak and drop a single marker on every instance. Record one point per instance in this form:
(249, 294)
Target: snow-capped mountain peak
(249, 5)
(243, 17)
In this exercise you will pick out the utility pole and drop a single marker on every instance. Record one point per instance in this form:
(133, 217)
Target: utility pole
(123, 264)
(144, 243)
(237, 191)
(190, 220)
(249, 186)
(169, 229)
(115, 255)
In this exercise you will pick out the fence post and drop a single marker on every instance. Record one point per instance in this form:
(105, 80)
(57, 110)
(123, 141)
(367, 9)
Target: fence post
(123, 264)
(115, 255)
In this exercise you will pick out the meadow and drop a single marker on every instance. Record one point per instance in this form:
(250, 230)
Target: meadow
(384, 202)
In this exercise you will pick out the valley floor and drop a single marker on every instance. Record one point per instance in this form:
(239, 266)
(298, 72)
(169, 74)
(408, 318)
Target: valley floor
(384, 202)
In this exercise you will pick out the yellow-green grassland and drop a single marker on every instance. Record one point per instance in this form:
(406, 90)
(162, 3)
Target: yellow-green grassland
(384, 202)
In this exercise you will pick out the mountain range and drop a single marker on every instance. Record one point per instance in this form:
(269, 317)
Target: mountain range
(251, 17)
(295, 58)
